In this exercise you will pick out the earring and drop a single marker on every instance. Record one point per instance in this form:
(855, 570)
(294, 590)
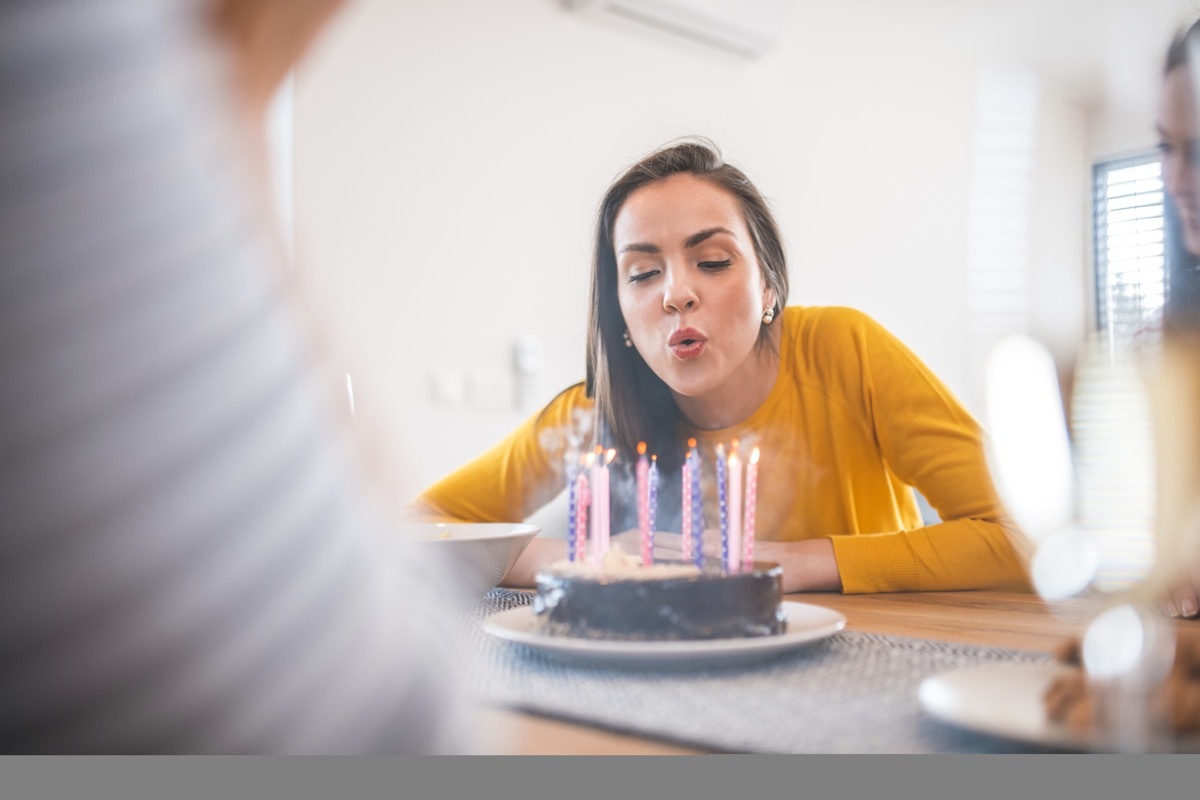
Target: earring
(768, 315)
(625, 336)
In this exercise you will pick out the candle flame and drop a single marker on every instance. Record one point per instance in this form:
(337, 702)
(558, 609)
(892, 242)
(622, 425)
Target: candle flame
(590, 459)
(641, 448)
(653, 458)
(754, 456)
(692, 443)
(609, 456)
(720, 450)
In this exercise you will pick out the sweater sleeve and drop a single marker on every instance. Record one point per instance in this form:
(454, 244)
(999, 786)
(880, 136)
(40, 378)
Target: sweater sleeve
(932, 443)
(513, 479)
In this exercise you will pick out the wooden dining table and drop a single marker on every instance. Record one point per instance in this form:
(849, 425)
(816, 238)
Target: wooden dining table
(1000, 619)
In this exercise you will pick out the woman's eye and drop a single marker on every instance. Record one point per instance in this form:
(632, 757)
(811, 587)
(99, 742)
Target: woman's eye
(641, 277)
(715, 265)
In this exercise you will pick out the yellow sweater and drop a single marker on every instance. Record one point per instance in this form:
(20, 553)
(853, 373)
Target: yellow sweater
(854, 420)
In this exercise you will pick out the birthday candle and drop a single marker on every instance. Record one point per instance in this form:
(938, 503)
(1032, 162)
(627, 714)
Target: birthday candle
(572, 504)
(596, 489)
(653, 493)
(685, 494)
(697, 495)
(580, 532)
(733, 561)
(653, 501)
(643, 502)
(722, 499)
(605, 504)
(751, 502)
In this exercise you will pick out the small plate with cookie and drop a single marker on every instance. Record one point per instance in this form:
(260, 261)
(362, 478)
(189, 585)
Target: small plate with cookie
(1051, 704)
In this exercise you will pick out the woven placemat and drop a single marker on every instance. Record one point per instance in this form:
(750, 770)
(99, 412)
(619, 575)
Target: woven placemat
(851, 693)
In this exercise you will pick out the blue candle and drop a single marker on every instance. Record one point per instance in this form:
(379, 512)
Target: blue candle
(721, 504)
(572, 506)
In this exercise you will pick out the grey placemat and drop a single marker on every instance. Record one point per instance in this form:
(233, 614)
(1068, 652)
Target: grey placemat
(851, 693)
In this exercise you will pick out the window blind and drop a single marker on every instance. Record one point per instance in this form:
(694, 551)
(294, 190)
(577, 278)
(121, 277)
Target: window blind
(1129, 245)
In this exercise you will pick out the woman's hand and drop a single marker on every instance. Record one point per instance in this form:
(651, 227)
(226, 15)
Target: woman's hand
(808, 566)
(667, 546)
(1182, 598)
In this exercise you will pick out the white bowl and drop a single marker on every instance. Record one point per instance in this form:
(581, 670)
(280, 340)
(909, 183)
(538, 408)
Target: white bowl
(483, 552)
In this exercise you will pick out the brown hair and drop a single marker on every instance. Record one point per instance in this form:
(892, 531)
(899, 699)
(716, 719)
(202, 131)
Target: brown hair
(1177, 53)
(633, 404)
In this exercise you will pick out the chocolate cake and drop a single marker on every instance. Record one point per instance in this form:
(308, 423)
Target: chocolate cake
(621, 599)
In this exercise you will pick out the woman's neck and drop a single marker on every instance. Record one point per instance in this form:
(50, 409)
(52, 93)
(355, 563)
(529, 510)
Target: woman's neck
(739, 397)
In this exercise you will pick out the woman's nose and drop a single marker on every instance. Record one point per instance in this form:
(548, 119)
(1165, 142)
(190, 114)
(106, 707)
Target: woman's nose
(679, 293)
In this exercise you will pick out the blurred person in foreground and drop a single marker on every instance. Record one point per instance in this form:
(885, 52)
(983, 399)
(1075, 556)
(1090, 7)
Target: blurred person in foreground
(190, 558)
(1177, 413)
(690, 336)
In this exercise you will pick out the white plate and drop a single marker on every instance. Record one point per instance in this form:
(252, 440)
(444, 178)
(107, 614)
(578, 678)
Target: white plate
(805, 623)
(1005, 700)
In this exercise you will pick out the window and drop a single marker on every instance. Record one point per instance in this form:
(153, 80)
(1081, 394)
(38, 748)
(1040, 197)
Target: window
(1129, 245)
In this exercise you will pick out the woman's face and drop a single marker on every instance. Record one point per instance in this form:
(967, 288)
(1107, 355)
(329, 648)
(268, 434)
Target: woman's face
(1177, 141)
(690, 286)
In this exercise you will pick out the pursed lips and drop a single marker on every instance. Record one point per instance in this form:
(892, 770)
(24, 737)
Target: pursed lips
(686, 343)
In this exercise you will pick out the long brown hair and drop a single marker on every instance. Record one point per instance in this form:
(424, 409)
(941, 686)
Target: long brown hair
(632, 403)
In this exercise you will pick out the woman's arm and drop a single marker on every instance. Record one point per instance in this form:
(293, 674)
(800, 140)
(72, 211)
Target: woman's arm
(516, 477)
(929, 441)
(808, 566)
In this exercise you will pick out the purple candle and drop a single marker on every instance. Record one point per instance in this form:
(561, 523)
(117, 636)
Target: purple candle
(722, 508)
(572, 505)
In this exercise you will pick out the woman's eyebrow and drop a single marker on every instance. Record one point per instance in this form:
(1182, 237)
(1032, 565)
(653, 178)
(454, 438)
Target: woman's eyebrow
(691, 241)
(640, 247)
(697, 238)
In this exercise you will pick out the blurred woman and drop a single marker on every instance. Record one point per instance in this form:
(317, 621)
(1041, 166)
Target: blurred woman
(1178, 439)
(689, 337)
(191, 560)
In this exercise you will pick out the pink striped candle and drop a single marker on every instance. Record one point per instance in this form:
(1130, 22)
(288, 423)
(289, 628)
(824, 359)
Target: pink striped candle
(734, 468)
(596, 488)
(686, 511)
(603, 502)
(653, 502)
(583, 498)
(697, 499)
(751, 508)
(643, 503)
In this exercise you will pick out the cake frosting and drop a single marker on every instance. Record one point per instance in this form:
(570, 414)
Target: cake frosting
(622, 599)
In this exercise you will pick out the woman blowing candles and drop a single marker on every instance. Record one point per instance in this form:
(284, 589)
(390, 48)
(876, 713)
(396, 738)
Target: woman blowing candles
(688, 336)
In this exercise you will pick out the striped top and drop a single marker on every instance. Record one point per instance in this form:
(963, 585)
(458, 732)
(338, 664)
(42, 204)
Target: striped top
(189, 558)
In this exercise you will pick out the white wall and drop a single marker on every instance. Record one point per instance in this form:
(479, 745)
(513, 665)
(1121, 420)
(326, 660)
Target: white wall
(450, 156)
